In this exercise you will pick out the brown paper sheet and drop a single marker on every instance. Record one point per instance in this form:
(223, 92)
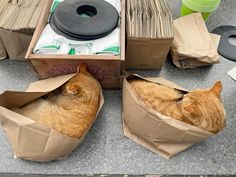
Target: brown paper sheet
(30, 141)
(193, 46)
(161, 134)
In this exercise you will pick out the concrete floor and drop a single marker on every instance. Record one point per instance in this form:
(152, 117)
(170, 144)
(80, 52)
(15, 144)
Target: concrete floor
(105, 149)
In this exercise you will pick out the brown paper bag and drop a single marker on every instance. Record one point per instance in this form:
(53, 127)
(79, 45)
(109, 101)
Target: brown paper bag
(193, 46)
(161, 134)
(3, 53)
(145, 53)
(16, 50)
(30, 141)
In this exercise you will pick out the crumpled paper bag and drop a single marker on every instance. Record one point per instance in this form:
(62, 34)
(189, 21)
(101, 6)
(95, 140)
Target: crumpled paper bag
(161, 134)
(30, 141)
(193, 46)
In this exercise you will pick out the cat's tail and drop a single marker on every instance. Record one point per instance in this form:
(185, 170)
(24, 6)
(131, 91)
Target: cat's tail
(83, 68)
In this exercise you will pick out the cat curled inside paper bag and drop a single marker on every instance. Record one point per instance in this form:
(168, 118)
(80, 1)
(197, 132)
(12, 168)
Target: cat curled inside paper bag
(71, 110)
(201, 107)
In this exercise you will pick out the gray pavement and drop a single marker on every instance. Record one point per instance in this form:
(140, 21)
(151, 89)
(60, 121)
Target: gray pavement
(105, 149)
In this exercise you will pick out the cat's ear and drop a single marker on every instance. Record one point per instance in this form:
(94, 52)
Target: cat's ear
(83, 68)
(217, 88)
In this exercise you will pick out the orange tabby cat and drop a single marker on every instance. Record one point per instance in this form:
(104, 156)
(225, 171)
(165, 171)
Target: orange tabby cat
(201, 108)
(72, 110)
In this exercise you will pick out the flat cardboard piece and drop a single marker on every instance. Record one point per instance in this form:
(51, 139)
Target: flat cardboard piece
(16, 50)
(3, 53)
(30, 141)
(161, 134)
(193, 46)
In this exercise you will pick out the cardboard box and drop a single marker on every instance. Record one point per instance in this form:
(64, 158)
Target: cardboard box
(16, 44)
(144, 53)
(161, 134)
(107, 69)
(30, 141)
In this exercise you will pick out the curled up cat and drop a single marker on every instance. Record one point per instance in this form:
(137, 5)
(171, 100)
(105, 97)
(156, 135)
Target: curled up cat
(71, 109)
(201, 107)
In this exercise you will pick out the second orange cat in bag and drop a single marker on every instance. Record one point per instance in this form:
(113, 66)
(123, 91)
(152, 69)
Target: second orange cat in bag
(201, 107)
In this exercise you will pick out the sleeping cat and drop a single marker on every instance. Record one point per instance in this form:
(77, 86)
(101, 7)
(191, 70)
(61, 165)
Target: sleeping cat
(201, 108)
(72, 110)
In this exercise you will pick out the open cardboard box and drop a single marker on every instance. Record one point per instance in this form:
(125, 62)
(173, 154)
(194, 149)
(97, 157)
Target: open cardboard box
(28, 140)
(107, 69)
(161, 134)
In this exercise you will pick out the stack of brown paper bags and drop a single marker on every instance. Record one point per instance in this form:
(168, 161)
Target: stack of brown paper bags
(149, 19)
(20, 15)
(150, 32)
(18, 20)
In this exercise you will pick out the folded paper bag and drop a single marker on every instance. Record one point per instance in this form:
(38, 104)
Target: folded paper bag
(193, 46)
(161, 134)
(30, 141)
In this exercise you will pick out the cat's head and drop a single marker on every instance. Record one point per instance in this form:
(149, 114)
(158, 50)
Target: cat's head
(72, 87)
(204, 108)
